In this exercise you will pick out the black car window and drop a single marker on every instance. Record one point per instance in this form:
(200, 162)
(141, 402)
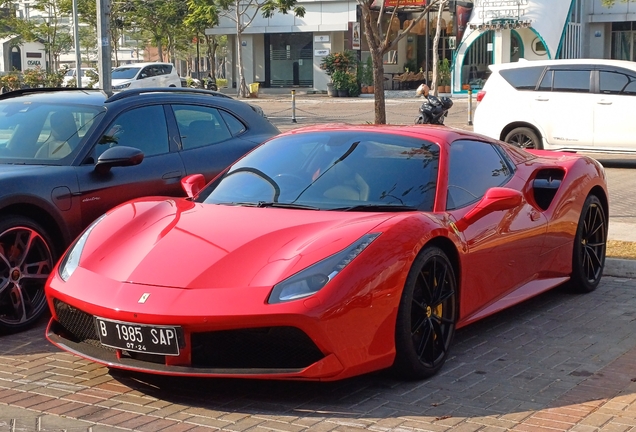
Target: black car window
(617, 82)
(474, 168)
(144, 128)
(44, 132)
(200, 126)
(236, 126)
(523, 78)
(571, 81)
(355, 170)
(146, 72)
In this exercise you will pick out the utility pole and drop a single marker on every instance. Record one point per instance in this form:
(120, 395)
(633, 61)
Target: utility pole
(78, 54)
(103, 46)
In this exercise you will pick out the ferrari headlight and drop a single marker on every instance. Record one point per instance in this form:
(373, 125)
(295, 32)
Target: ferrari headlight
(71, 259)
(312, 279)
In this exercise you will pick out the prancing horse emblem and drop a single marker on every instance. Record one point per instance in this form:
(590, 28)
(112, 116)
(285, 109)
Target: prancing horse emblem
(143, 298)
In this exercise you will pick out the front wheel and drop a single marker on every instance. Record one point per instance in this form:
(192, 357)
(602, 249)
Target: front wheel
(525, 138)
(426, 316)
(588, 256)
(26, 260)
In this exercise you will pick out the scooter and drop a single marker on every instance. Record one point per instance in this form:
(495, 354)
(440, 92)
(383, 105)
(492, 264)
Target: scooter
(434, 110)
(210, 84)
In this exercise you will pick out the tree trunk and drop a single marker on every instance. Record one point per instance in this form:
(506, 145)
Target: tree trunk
(211, 52)
(375, 49)
(438, 30)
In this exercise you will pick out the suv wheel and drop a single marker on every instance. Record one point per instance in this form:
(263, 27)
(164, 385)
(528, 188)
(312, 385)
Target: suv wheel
(525, 138)
(26, 260)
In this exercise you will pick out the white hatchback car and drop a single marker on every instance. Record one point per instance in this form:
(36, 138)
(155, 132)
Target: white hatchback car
(142, 75)
(70, 79)
(572, 105)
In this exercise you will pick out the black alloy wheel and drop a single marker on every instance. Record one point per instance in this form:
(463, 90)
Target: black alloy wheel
(588, 257)
(26, 261)
(525, 138)
(427, 316)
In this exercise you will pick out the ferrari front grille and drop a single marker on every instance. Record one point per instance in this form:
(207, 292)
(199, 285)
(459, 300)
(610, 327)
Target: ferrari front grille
(255, 348)
(79, 325)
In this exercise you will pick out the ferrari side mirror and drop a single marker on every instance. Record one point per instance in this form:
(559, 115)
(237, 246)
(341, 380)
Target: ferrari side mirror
(495, 199)
(193, 184)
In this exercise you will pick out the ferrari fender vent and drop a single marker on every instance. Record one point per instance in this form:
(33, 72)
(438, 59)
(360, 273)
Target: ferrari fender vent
(545, 186)
(79, 325)
(255, 348)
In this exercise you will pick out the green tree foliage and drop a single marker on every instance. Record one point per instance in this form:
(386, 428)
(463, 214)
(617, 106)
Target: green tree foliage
(203, 14)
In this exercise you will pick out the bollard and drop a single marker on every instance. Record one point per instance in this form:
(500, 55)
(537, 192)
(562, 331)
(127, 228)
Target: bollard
(293, 106)
(470, 107)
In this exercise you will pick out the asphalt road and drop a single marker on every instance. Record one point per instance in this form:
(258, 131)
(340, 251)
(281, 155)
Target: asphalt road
(557, 362)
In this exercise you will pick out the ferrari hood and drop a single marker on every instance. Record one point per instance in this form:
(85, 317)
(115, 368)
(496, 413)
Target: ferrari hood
(177, 243)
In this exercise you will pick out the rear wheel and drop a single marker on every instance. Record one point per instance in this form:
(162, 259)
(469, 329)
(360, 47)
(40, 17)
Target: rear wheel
(525, 138)
(26, 260)
(588, 257)
(426, 316)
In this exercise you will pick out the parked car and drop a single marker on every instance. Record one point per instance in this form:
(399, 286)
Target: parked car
(70, 78)
(143, 75)
(69, 155)
(574, 105)
(330, 252)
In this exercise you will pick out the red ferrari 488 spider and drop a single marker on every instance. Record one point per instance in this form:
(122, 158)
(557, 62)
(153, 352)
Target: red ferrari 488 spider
(329, 252)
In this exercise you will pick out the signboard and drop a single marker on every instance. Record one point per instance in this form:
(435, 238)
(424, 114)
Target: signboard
(402, 3)
(355, 36)
(488, 10)
(321, 38)
(321, 52)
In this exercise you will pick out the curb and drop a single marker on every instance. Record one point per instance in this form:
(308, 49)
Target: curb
(619, 267)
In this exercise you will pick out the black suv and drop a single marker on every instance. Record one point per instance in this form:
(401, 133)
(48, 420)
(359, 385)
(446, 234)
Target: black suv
(68, 156)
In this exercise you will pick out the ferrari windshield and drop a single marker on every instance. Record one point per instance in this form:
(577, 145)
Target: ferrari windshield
(333, 170)
(43, 133)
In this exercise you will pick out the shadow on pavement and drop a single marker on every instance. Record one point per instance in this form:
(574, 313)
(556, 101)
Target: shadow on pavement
(529, 357)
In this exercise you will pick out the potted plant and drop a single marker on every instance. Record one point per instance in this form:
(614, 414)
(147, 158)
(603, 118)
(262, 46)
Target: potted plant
(353, 85)
(340, 81)
(444, 72)
(345, 61)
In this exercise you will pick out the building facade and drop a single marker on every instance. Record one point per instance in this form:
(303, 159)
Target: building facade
(285, 51)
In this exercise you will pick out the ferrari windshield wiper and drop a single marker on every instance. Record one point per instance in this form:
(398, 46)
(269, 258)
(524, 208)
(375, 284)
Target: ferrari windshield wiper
(270, 204)
(285, 205)
(377, 207)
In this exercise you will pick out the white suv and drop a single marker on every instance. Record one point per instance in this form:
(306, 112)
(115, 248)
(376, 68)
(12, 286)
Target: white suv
(142, 75)
(573, 105)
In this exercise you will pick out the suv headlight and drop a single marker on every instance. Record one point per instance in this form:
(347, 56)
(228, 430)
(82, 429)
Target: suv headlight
(70, 262)
(312, 279)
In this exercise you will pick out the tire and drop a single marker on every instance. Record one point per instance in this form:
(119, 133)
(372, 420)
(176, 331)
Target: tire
(525, 138)
(588, 256)
(27, 258)
(427, 316)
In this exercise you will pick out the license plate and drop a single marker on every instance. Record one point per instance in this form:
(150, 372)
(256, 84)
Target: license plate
(141, 338)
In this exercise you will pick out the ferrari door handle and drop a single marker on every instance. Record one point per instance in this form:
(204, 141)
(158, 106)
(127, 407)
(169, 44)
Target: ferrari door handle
(534, 215)
(604, 102)
(171, 175)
